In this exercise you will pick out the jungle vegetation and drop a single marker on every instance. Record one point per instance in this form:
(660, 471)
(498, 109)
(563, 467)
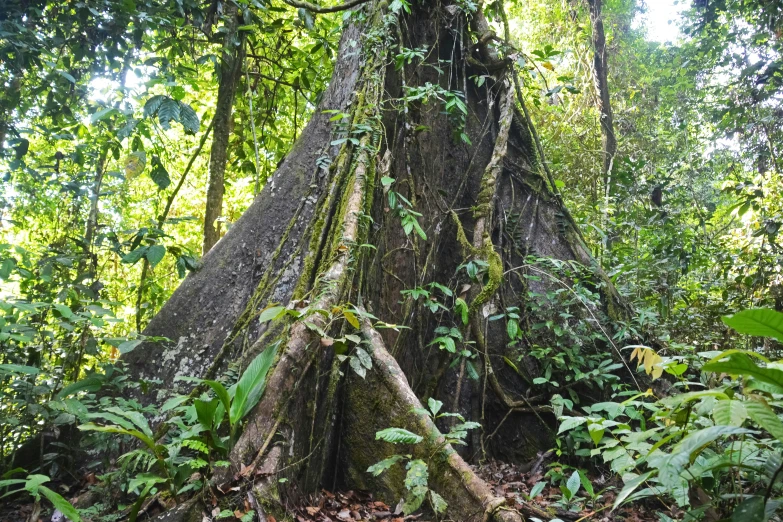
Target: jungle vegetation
(251, 250)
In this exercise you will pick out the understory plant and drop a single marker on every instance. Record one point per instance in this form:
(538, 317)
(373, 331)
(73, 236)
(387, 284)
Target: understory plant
(198, 435)
(722, 441)
(417, 470)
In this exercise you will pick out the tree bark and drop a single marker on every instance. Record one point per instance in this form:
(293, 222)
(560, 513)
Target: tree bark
(230, 73)
(602, 92)
(324, 239)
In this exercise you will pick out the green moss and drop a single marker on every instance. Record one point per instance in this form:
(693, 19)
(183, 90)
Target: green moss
(484, 204)
(462, 239)
(494, 271)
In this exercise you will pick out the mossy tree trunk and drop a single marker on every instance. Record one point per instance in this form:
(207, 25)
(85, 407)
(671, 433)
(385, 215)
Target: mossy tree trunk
(324, 238)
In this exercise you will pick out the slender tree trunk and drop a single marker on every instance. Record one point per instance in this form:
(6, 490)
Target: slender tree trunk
(330, 237)
(230, 73)
(602, 91)
(609, 140)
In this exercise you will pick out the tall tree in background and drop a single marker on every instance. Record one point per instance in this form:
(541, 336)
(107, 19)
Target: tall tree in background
(600, 66)
(231, 61)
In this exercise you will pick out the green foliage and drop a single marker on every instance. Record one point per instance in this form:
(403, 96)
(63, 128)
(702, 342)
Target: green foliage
(404, 209)
(398, 436)
(194, 439)
(762, 322)
(34, 485)
(97, 129)
(690, 439)
(417, 470)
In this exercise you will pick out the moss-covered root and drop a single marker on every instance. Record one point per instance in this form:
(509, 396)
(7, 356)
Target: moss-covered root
(296, 357)
(384, 399)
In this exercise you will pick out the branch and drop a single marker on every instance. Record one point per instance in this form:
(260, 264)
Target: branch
(313, 8)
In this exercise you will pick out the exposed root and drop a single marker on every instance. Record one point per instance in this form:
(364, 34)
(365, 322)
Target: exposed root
(468, 496)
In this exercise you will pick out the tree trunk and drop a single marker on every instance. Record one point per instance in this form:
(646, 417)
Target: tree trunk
(608, 138)
(230, 72)
(323, 238)
(602, 90)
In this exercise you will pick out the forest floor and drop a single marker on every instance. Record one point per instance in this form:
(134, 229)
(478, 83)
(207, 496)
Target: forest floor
(506, 480)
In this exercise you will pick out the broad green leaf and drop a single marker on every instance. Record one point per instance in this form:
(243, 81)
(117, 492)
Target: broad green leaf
(536, 490)
(111, 417)
(761, 322)
(271, 313)
(135, 417)
(129, 346)
(438, 504)
(67, 76)
(357, 367)
(472, 373)
(6, 267)
(221, 392)
(741, 364)
(398, 436)
(65, 507)
(586, 483)
(11, 482)
(461, 307)
(679, 399)
(134, 255)
(64, 310)
(574, 483)
(671, 465)
(88, 384)
(631, 483)
(19, 368)
(160, 176)
(750, 510)
(379, 467)
(168, 111)
(173, 403)
(596, 431)
(33, 483)
(121, 431)
(155, 254)
(152, 105)
(569, 423)
(205, 411)
(251, 385)
(364, 357)
(103, 114)
(765, 417)
(434, 406)
(512, 328)
(188, 118)
(729, 413)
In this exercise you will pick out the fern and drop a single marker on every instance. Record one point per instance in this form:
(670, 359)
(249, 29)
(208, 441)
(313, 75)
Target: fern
(196, 445)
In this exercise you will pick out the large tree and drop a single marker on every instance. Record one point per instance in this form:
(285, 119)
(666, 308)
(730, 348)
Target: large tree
(417, 172)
